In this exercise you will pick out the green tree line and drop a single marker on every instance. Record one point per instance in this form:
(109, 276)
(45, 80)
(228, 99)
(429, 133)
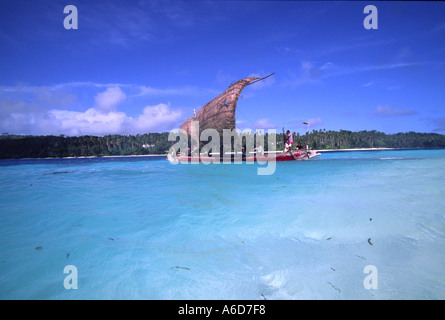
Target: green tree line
(15, 146)
(25, 146)
(344, 139)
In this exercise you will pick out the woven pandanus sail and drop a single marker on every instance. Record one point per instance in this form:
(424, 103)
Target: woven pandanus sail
(219, 113)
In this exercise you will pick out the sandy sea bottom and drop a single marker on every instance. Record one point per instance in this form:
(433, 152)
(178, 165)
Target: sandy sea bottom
(142, 228)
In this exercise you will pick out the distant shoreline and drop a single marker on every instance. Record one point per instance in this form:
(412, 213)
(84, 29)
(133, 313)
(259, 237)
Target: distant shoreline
(360, 149)
(117, 156)
(91, 157)
(165, 155)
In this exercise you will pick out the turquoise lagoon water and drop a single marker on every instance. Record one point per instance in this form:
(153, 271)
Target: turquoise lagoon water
(142, 228)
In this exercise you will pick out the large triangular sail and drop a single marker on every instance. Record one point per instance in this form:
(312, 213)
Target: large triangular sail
(219, 113)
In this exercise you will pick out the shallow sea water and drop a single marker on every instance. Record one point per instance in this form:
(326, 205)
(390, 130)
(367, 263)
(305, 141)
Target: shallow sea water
(142, 228)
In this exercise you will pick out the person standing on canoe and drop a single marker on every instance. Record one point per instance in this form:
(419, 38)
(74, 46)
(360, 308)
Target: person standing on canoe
(289, 140)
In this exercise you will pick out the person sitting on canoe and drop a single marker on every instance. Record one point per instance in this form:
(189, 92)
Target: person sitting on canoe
(289, 140)
(259, 150)
(299, 146)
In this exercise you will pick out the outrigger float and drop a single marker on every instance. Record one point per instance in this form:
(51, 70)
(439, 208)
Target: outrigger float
(219, 114)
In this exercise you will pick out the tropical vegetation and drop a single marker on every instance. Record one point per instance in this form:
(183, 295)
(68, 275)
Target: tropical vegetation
(26, 146)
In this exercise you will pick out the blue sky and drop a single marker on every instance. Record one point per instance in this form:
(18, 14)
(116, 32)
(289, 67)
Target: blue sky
(143, 66)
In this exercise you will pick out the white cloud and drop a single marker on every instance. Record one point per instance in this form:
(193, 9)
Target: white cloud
(90, 122)
(95, 122)
(23, 114)
(158, 117)
(108, 100)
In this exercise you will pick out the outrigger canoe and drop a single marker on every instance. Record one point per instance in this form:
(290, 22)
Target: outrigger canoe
(219, 115)
(296, 156)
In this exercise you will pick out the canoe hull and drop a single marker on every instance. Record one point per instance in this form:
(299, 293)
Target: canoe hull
(297, 156)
